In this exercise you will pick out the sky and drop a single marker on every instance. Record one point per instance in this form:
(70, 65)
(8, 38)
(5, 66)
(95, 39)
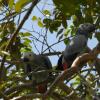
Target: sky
(51, 37)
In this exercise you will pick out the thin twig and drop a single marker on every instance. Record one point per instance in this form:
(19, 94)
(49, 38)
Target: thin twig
(74, 68)
(57, 43)
(34, 2)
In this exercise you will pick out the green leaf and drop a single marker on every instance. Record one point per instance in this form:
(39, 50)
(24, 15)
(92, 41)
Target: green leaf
(74, 17)
(46, 12)
(4, 52)
(3, 42)
(66, 41)
(34, 18)
(25, 49)
(20, 4)
(40, 24)
(97, 35)
(76, 83)
(27, 40)
(67, 31)
(11, 3)
(27, 34)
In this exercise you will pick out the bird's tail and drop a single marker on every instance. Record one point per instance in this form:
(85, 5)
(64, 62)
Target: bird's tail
(42, 88)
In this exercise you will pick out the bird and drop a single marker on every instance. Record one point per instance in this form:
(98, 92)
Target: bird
(76, 45)
(37, 63)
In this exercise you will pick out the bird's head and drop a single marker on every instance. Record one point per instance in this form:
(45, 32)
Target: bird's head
(28, 56)
(86, 28)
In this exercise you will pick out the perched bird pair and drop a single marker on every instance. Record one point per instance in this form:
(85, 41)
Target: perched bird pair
(38, 62)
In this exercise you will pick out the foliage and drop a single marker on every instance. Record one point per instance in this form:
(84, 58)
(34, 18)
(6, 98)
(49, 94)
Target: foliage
(63, 21)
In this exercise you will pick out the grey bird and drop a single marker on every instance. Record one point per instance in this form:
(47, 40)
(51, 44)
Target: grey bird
(76, 46)
(37, 64)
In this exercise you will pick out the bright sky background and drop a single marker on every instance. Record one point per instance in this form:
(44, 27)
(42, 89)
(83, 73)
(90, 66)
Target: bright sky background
(51, 37)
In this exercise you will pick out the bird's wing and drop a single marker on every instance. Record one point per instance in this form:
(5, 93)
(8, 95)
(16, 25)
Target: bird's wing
(43, 61)
(77, 44)
(47, 62)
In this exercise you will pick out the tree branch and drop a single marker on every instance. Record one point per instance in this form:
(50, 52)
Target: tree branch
(74, 68)
(18, 87)
(69, 91)
(34, 2)
(97, 65)
(29, 96)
